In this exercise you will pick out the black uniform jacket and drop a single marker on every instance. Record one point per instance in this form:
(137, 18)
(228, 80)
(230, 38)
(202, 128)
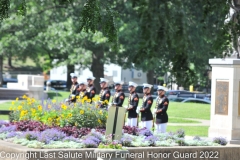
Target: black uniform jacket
(104, 95)
(146, 113)
(133, 100)
(91, 91)
(162, 117)
(74, 91)
(118, 98)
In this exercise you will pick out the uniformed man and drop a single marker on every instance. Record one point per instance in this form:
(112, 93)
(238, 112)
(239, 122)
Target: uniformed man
(90, 88)
(83, 90)
(146, 113)
(119, 96)
(161, 110)
(104, 93)
(133, 100)
(73, 91)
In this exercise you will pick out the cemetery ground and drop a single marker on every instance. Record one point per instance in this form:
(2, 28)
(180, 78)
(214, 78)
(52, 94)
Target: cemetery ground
(191, 117)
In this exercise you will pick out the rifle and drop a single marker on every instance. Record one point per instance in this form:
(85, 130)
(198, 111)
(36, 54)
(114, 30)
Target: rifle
(154, 118)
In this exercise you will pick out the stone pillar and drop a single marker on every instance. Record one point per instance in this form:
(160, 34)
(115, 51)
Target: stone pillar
(225, 99)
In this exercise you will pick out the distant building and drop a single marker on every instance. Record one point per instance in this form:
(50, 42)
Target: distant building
(112, 72)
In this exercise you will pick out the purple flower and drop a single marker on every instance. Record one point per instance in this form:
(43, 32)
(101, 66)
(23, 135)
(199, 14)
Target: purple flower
(71, 138)
(89, 143)
(2, 122)
(12, 134)
(152, 139)
(51, 135)
(126, 140)
(6, 129)
(145, 132)
(31, 135)
(220, 140)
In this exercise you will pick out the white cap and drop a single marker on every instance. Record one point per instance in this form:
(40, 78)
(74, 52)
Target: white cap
(83, 83)
(73, 75)
(161, 88)
(118, 82)
(132, 84)
(145, 85)
(91, 78)
(103, 80)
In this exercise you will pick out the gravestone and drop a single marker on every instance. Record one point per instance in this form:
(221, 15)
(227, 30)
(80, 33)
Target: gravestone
(225, 99)
(115, 122)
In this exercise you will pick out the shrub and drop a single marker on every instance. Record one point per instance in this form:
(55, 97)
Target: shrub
(220, 140)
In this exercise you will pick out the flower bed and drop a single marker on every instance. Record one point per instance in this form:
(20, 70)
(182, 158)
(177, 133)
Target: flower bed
(80, 125)
(44, 136)
(80, 114)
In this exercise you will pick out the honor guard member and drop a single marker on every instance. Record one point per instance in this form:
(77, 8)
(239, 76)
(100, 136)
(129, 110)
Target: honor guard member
(119, 96)
(104, 93)
(161, 110)
(74, 89)
(83, 88)
(146, 113)
(90, 88)
(133, 100)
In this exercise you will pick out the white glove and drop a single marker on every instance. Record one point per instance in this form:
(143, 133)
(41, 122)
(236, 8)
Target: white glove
(138, 110)
(72, 96)
(155, 110)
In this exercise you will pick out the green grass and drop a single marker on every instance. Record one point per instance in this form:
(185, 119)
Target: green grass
(58, 95)
(4, 117)
(190, 130)
(189, 110)
(6, 105)
(180, 120)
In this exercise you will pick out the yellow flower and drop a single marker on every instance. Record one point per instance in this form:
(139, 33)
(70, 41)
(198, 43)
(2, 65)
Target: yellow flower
(63, 106)
(23, 113)
(29, 103)
(88, 100)
(33, 110)
(24, 96)
(22, 103)
(11, 108)
(100, 112)
(70, 115)
(28, 99)
(19, 107)
(76, 123)
(17, 99)
(81, 111)
(54, 101)
(97, 106)
(62, 115)
(13, 102)
(99, 98)
(33, 100)
(39, 107)
(99, 121)
(106, 116)
(77, 97)
(105, 102)
(94, 99)
(85, 98)
(50, 119)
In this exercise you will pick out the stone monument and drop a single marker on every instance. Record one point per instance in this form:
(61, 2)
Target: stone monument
(225, 102)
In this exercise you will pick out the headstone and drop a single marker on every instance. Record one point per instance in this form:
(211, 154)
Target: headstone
(225, 100)
(115, 122)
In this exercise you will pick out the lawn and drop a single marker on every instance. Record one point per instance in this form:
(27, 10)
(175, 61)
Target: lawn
(201, 131)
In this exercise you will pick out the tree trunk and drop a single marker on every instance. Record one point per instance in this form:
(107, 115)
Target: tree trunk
(97, 68)
(70, 69)
(150, 75)
(1, 70)
(10, 62)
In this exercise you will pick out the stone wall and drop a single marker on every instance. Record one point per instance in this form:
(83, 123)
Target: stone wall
(135, 153)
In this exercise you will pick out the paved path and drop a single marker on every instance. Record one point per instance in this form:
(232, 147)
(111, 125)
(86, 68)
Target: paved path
(202, 122)
(3, 101)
